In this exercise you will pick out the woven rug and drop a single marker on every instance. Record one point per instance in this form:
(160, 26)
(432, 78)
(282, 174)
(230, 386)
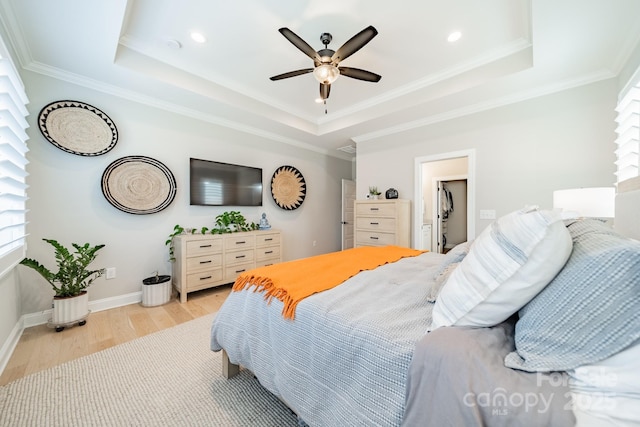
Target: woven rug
(169, 378)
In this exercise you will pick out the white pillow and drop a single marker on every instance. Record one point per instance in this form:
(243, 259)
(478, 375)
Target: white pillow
(608, 392)
(508, 264)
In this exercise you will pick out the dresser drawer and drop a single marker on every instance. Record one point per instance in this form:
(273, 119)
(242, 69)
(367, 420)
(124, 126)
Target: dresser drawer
(266, 262)
(231, 243)
(375, 209)
(237, 257)
(203, 246)
(267, 239)
(376, 224)
(204, 279)
(371, 238)
(204, 262)
(269, 252)
(232, 272)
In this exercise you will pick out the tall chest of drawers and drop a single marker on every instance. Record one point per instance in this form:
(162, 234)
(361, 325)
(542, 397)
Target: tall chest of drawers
(382, 222)
(205, 261)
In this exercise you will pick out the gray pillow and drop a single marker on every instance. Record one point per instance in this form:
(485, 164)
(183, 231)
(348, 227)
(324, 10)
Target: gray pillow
(446, 267)
(440, 280)
(589, 311)
(454, 256)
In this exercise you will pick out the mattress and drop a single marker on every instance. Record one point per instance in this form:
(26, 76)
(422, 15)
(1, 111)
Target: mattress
(345, 357)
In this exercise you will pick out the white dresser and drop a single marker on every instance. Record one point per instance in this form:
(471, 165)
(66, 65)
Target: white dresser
(205, 261)
(383, 222)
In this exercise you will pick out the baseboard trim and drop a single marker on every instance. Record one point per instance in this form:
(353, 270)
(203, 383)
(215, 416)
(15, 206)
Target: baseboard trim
(10, 344)
(42, 317)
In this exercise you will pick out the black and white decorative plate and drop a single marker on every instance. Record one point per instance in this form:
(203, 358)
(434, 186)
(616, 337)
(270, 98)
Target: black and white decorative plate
(77, 128)
(138, 185)
(288, 187)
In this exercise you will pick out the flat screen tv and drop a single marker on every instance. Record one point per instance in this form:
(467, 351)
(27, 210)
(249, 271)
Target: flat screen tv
(224, 184)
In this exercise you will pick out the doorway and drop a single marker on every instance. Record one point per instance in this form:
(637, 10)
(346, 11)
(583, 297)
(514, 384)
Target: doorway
(348, 216)
(449, 212)
(449, 169)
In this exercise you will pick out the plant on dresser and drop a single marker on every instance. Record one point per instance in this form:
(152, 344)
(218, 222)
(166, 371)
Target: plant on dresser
(226, 222)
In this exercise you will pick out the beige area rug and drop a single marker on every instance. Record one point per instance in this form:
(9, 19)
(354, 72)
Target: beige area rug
(169, 378)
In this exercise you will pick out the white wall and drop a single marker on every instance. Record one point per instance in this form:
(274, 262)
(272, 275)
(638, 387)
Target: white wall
(66, 202)
(524, 151)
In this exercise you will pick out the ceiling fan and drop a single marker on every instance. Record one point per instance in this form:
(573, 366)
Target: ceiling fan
(326, 61)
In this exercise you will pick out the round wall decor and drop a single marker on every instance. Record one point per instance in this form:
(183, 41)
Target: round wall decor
(138, 185)
(77, 128)
(288, 187)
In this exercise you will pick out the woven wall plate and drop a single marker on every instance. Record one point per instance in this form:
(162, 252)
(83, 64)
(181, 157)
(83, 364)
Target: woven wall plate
(138, 185)
(77, 128)
(288, 187)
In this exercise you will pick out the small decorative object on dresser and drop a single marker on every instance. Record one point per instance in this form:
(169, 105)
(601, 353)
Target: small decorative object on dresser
(391, 193)
(382, 222)
(373, 192)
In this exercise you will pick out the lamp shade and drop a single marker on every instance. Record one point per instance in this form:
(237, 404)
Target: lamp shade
(326, 73)
(597, 202)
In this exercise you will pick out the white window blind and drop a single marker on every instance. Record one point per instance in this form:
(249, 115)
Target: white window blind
(13, 149)
(628, 131)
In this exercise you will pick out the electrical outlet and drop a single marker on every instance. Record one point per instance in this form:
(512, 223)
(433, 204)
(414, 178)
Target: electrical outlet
(111, 273)
(487, 214)
(314, 243)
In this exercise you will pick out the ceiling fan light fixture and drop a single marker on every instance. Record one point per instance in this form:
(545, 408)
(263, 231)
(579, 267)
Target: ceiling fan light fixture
(326, 73)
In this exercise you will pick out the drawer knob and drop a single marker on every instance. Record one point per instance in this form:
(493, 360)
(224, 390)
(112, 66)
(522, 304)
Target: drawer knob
(241, 243)
(375, 209)
(205, 262)
(268, 240)
(240, 271)
(205, 278)
(374, 223)
(205, 246)
(268, 252)
(373, 238)
(240, 256)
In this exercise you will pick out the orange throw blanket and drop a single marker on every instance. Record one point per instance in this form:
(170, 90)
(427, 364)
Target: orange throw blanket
(292, 281)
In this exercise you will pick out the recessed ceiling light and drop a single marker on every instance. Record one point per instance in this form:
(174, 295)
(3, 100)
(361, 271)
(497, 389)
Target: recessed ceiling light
(198, 37)
(454, 37)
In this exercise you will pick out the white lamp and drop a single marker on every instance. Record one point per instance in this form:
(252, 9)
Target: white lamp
(597, 202)
(326, 73)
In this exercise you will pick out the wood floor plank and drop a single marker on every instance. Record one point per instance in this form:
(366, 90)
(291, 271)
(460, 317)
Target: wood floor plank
(41, 347)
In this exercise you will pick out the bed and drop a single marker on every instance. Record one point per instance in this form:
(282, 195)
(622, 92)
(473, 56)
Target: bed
(391, 346)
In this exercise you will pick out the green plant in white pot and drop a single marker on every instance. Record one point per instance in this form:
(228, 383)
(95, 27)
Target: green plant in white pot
(70, 282)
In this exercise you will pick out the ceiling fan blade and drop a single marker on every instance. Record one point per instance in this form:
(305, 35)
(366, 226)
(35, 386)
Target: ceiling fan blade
(356, 73)
(324, 91)
(300, 44)
(291, 74)
(354, 44)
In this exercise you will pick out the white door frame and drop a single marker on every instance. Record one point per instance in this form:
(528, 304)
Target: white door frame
(418, 204)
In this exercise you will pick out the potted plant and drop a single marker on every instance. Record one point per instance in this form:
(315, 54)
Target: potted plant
(233, 221)
(373, 192)
(71, 301)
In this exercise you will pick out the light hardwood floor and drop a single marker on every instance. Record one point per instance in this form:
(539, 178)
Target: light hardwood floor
(41, 347)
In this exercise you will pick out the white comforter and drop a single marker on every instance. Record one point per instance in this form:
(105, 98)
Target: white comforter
(343, 361)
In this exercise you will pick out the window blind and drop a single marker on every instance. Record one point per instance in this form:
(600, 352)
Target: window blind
(13, 149)
(628, 133)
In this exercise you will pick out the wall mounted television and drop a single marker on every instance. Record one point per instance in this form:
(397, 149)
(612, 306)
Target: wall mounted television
(224, 184)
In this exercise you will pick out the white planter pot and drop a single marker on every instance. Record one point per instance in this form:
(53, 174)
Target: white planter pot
(71, 309)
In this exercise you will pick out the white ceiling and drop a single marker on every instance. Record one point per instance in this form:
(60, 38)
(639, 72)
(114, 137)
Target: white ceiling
(510, 50)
